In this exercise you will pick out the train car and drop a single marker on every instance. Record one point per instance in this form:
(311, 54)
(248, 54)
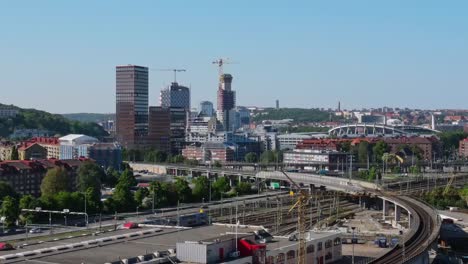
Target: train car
(195, 219)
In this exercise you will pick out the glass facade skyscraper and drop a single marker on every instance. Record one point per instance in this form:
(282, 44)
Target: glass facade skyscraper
(131, 105)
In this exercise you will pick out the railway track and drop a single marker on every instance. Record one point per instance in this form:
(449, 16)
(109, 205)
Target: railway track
(418, 239)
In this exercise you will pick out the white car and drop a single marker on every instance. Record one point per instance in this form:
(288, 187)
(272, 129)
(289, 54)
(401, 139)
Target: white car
(35, 231)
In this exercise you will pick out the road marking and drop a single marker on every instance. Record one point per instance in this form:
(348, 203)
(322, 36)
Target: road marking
(147, 243)
(41, 261)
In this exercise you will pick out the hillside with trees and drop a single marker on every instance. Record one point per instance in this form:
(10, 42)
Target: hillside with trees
(57, 124)
(88, 117)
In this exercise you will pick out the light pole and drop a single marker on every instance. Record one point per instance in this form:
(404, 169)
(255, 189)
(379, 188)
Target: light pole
(85, 209)
(153, 197)
(352, 242)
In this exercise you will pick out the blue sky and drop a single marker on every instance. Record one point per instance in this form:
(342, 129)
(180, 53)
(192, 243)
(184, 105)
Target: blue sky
(60, 56)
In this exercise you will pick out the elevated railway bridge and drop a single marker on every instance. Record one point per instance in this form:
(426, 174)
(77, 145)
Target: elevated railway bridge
(422, 219)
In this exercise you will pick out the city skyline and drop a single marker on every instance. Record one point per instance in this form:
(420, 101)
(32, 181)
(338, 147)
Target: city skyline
(309, 55)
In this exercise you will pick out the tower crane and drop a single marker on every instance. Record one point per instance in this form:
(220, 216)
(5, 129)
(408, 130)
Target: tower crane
(300, 205)
(173, 70)
(220, 62)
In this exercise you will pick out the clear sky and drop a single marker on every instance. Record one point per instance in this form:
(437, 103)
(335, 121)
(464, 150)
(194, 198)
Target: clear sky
(60, 56)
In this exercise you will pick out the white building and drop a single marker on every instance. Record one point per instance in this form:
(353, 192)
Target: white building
(74, 146)
(321, 248)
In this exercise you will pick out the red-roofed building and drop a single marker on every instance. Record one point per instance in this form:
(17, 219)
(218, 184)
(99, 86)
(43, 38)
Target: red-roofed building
(51, 144)
(31, 151)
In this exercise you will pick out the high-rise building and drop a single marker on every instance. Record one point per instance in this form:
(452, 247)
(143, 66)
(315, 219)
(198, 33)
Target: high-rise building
(159, 128)
(277, 104)
(178, 125)
(131, 105)
(175, 96)
(206, 108)
(226, 102)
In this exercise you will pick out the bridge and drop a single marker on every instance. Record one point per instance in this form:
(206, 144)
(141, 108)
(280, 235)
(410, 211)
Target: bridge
(421, 219)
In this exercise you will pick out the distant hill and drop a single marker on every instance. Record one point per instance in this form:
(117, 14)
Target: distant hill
(89, 117)
(57, 124)
(299, 115)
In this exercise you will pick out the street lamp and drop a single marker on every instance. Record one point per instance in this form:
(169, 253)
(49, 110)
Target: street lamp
(352, 242)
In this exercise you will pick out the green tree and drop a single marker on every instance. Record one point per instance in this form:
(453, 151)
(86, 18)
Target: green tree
(202, 188)
(363, 152)
(127, 178)
(110, 178)
(9, 210)
(191, 162)
(140, 195)
(89, 175)
(183, 190)
(123, 198)
(14, 153)
(64, 200)
(55, 181)
(28, 202)
(251, 157)
(161, 156)
(217, 164)
(243, 188)
(7, 190)
(268, 156)
(372, 174)
(379, 149)
(93, 200)
(177, 159)
(220, 186)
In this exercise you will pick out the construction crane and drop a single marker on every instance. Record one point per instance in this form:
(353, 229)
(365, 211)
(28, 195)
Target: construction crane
(172, 70)
(300, 205)
(220, 63)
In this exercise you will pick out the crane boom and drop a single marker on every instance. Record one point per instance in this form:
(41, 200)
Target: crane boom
(172, 70)
(220, 62)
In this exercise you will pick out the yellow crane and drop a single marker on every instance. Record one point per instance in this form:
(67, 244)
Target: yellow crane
(221, 62)
(300, 205)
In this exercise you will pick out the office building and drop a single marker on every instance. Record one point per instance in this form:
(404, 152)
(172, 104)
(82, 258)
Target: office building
(206, 109)
(107, 155)
(308, 159)
(178, 127)
(131, 105)
(226, 102)
(159, 128)
(175, 96)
